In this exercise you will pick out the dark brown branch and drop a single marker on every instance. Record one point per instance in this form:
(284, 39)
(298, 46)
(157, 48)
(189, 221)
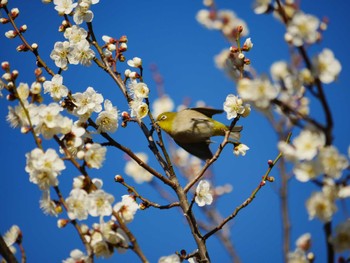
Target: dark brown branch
(6, 252)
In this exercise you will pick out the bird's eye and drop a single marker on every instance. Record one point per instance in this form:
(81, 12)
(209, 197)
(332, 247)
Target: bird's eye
(163, 118)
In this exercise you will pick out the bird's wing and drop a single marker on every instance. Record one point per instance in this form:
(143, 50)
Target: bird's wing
(207, 111)
(199, 149)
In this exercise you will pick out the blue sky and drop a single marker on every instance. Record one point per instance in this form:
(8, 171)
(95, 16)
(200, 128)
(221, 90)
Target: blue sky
(167, 34)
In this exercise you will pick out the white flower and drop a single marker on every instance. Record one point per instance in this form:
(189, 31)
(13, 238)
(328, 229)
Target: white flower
(60, 54)
(321, 206)
(303, 29)
(297, 256)
(139, 109)
(306, 145)
(259, 90)
(306, 171)
(23, 91)
(261, 6)
(95, 155)
(279, 70)
(304, 242)
(162, 104)
(81, 53)
(248, 44)
(55, 87)
(51, 122)
(133, 169)
(332, 162)
(126, 208)
(135, 62)
(44, 167)
(64, 6)
(341, 240)
(107, 120)
(82, 12)
(170, 259)
(233, 106)
(240, 149)
(344, 191)
(75, 34)
(77, 204)
(100, 246)
(87, 102)
(326, 66)
(47, 205)
(76, 256)
(203, 193)
(11, 237)
(100, 203)
(116, 237)
(17, 116)
(140, 90)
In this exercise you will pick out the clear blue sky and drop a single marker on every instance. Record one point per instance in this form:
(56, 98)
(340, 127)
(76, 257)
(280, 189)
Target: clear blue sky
(167, 34)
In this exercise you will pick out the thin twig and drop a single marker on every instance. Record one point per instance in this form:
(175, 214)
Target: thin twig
(248, 200)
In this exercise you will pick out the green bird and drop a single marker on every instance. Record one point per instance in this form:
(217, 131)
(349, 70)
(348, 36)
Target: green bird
(192, 129)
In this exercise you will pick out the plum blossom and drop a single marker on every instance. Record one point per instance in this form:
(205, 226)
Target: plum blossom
(100, 245)
(44, 167)
(326, 66)
(47, 205)
(76, 256)
(100, 203)
(261, 6)
(259, 90)
(321, 206)
(139, 90)
(341, 239)
(135, 62)
(332, 162)
(203, 193)
(107, 120)
(81, 53)
(307, 170)
(77, 204)
(133, 169)
(60, 54)
(233, 106)
(75, 34)
(139, 109)
(240, 149)
(55, 87)
(162, 104)
(95, 155)
(303, 147)
(87, 102)
(126, 208)
(173, 258)
(303, 29)
(11, 237)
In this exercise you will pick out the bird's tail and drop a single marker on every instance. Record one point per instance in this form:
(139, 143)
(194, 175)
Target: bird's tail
(236, 133)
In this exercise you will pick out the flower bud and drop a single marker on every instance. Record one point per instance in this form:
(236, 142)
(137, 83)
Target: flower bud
(14, 12)
(22, 48)
(123, 47)
(118, 178)
(5, 65)
(10, 34)
(35, 88)
(23, 28)
(123, 39)
(4, 20)
(38, 72)
(7, 76)
(62, 223)
(34, 46)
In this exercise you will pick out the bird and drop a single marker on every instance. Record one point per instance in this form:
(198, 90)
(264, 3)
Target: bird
(192, 129)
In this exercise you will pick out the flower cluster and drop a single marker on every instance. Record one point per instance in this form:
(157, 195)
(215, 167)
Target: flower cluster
(74, 51)
(224, 20)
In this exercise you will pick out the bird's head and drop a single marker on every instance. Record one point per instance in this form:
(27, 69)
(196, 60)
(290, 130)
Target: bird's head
(165, 121)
